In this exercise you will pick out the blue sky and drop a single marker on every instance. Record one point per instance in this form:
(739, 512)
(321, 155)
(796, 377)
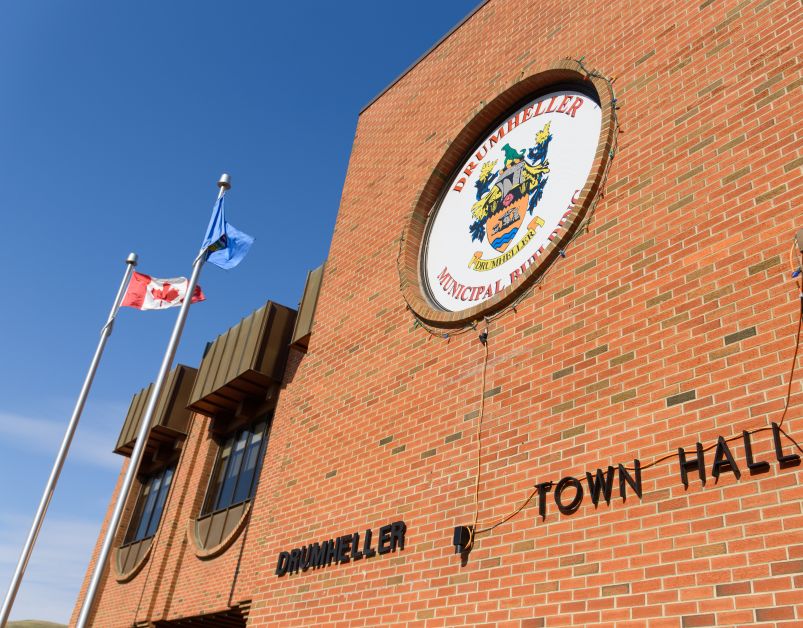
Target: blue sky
(115, 121)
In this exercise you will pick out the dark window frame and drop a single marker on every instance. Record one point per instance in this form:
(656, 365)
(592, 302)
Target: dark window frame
(135, 523)
(223, 480)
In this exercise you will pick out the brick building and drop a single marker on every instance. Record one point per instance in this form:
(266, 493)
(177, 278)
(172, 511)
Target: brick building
(325, 477)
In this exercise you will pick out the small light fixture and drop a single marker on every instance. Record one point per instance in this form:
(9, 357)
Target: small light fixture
(461, 538)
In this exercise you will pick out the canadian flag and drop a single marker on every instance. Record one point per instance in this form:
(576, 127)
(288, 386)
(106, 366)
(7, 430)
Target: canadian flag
(149, 293)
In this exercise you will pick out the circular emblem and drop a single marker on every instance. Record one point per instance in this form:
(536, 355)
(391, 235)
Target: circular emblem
(516, 193)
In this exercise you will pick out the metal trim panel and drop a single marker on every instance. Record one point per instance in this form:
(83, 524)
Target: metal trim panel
(306, 308)
(244, 362)
(170, 417)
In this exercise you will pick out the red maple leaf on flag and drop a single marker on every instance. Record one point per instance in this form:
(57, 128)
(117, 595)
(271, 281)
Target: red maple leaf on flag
(167, 293)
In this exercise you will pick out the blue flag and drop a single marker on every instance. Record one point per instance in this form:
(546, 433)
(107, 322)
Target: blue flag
(225, 245)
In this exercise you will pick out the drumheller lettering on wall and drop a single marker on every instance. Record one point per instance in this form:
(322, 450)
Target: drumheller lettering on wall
(509, 200)
(343, 549)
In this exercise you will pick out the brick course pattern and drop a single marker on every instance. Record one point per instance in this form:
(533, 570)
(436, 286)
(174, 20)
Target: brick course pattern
(671, 321)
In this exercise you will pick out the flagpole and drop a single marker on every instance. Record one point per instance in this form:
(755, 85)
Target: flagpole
(139, 447)
(130, 262)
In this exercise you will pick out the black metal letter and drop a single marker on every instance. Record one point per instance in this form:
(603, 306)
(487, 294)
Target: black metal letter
(397, 530)
(343, 548)
(625, 477)
(788, 459)
(578, 496)
(755, 467)
(367, 550)
(295, 556)
(600, 482)
(685, 465)
(314, 551)
(320, 559)
(543, 489)
(281, 565)
(384, 540)
(356, 554)
(723, 459)
(331, 552)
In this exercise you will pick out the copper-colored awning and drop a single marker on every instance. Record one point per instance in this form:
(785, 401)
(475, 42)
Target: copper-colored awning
(306, 309)
(245, 362)
(170, 417)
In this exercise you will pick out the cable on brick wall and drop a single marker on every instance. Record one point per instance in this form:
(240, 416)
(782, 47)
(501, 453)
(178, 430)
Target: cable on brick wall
(483, 338)
(583, 227)
(796, 274)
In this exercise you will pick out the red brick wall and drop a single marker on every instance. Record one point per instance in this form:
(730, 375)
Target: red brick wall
(174, 581)
(680, 287)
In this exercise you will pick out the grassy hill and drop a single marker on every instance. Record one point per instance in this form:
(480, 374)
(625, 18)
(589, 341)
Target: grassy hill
(33, 623)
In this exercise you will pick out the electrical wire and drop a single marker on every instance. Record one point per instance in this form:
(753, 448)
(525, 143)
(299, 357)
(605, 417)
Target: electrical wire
(484, 340)
(705, 449)
(583, 227)
(758, 429)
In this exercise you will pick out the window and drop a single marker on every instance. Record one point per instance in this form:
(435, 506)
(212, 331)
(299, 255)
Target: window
(237, 468)
(148, 510)
(231, 486)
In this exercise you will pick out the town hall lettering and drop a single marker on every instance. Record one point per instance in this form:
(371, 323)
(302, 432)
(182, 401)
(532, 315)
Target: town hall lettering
(569, 492)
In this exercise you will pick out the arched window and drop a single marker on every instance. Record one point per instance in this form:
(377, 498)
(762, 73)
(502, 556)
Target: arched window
(150, 503)
(237, 468)
(144, 522)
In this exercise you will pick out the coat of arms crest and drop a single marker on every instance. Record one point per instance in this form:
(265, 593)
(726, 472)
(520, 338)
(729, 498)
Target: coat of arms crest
(508, 194)
(510, 199)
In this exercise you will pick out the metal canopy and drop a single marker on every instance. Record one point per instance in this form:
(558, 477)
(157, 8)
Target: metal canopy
(244, 363)
(170, 418)
(306, 308)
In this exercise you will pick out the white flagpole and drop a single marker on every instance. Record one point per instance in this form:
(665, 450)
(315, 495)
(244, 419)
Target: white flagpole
(130, 262)
(139, 447)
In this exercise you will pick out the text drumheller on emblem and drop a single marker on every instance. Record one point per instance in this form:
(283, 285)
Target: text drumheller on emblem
(510, 198)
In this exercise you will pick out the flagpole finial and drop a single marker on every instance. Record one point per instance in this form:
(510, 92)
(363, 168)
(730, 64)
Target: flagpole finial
(225, 181)
(132, 259)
